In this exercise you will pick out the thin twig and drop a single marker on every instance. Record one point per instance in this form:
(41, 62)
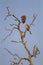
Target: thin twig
(9, 52)
(16, 41)
(34, 17)
(35, 51)
(9, 14)
(12, 53)
(13, 25)
(11, 31)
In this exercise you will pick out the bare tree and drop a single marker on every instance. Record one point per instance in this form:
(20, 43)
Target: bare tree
(22, 36)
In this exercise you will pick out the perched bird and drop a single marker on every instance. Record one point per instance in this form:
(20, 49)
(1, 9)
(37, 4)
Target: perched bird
(22, 34)
(23, 19)
(28, 28)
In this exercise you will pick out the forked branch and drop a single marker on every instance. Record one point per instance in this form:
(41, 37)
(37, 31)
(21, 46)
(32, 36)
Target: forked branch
(11, 31)
(10, 14)
(35, 51)
(12, 53)
(33, 19)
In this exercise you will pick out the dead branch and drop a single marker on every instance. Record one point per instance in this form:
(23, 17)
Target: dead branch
(16, 41)
(24, 44)
(18, 26)
(20, 59)
(13, 25)
(35, 51)
(12, 53)
(29, 54)
(10, 14)
(34, 17)
(17, 63)
(9, 51)
(11, 31)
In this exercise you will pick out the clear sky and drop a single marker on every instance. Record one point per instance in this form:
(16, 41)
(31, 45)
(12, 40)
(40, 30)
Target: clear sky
(19, 8)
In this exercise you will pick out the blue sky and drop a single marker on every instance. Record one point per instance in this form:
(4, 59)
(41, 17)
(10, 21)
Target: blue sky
(19, 8)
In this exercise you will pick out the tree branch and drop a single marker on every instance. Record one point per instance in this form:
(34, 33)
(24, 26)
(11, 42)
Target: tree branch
(34, 17)
(35, 51)
(20, 59)
(17, 63)
(9, 14)
(11, 31)
(12, 53)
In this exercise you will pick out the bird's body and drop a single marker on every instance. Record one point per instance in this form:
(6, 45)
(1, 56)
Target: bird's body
(27, 27)
(22, 34)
